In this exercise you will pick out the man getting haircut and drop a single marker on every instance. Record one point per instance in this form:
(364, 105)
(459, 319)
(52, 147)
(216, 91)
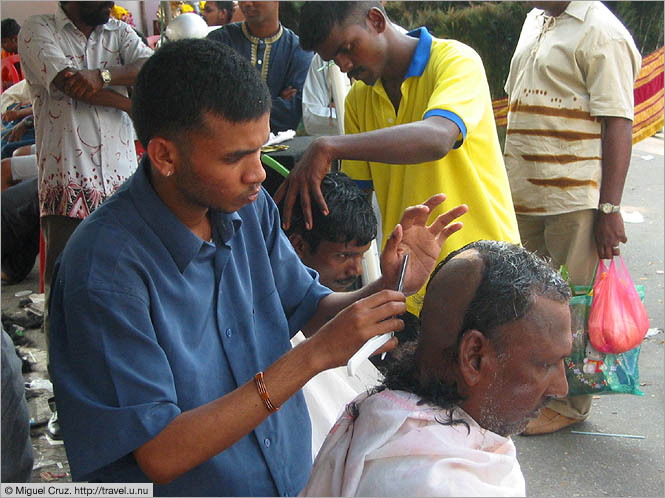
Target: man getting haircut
(336, 244)
(495, 329)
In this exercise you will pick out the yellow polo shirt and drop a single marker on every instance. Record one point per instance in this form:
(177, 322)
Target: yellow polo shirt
(446, 78)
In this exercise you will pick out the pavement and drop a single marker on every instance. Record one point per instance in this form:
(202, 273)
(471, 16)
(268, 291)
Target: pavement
(559, 464)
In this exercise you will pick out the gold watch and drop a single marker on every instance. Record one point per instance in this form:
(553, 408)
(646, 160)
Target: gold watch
(607, 208)
(106, 77)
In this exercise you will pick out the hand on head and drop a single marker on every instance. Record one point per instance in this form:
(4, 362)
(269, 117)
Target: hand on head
(304, 181)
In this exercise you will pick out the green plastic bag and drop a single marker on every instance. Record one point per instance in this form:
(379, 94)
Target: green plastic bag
(591, 372)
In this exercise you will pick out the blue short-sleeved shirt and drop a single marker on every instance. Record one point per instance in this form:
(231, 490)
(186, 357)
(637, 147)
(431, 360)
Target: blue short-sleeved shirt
(148, 320)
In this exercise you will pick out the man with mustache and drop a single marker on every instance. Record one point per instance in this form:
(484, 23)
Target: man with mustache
(495, 329)
(418, 120)
(337, 243)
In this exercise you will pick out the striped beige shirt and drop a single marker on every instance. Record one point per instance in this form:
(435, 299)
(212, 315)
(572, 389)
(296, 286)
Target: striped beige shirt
(567, 72)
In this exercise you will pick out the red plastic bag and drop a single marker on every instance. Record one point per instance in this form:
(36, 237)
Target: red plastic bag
(618, 320)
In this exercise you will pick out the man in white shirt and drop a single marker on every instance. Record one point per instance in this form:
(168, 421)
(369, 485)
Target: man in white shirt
(495, 329)
(79, 63)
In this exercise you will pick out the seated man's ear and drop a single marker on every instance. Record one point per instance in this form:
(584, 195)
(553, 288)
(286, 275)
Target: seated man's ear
(299, 244)
(477, 358)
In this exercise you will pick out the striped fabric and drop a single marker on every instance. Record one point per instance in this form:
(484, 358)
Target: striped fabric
(648, 99)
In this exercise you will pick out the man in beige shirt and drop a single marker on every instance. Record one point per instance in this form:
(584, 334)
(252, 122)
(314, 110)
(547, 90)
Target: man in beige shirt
(568, 146)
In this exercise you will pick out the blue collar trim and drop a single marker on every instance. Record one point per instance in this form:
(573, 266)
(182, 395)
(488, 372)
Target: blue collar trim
(422, 53)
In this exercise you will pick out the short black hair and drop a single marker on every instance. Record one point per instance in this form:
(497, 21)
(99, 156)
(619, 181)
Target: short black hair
(224, 5)
(351, 217)
(9, 28)
(185, 79)
(317, 19)
(512, 279)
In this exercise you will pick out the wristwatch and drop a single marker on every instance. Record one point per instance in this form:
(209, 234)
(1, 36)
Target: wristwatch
(607, 208)
(106, 77)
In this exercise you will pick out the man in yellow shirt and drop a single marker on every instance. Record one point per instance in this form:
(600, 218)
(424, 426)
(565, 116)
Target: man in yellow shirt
(419, 120)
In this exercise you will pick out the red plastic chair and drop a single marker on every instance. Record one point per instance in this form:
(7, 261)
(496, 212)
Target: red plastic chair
(9, 67)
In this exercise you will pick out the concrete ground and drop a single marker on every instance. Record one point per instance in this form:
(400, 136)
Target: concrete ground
(560, 464)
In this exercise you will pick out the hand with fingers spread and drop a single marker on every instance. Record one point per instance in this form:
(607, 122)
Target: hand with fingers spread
(305, 181)
(423, 242)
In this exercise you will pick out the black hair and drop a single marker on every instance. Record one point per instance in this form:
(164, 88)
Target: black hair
(228, 6)
(9, 28)
(350, 218)
(317, 19)
(185, 79)
(512, 279)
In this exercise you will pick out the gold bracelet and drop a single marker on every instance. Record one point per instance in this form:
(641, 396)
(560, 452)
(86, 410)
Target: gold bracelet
(263, 392)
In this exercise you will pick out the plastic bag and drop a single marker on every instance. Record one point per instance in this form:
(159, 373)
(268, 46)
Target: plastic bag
(589, 371)
(618, 320)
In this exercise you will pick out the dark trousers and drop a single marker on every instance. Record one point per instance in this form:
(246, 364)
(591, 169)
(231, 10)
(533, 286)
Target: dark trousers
(20, 229)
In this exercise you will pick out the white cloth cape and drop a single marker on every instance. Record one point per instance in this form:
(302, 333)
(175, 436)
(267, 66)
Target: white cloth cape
(328, 393)
(397, 448)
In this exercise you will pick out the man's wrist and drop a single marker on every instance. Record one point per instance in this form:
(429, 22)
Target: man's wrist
(325, 145)
(106, 77)
(608, 208)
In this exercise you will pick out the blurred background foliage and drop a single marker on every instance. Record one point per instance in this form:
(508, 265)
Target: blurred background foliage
(493, 28)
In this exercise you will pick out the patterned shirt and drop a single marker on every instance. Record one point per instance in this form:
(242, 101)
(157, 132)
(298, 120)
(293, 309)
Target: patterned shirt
(566, 72)
(85, 151)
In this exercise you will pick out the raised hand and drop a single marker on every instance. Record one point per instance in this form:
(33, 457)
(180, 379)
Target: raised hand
(421, 241)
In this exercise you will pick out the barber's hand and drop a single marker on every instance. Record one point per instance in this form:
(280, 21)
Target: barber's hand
(422, 242)
(608, 230)
(82, 83)
(341, 337)
(288, 93)
(305, 179)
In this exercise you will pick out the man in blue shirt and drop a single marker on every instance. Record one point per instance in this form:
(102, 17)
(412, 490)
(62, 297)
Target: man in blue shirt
(174, 302)
(276, 54)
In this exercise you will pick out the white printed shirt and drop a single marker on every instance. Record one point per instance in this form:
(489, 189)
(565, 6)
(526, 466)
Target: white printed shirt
(85, 152)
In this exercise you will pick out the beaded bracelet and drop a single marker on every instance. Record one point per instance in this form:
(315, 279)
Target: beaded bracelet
(263, 392)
